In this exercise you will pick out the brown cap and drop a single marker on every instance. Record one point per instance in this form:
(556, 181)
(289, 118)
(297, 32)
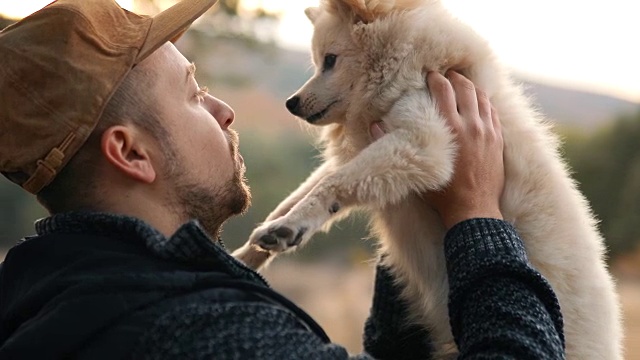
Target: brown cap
(58, 69)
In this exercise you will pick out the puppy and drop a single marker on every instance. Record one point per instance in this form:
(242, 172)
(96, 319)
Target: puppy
(371, 59)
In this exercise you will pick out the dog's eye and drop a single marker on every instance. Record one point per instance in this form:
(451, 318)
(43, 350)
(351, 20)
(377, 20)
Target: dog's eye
(329, 62)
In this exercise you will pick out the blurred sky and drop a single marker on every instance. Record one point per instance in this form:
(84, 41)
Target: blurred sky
(589, 45)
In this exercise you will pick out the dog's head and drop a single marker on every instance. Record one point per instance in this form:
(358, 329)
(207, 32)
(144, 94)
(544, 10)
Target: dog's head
(337, 51)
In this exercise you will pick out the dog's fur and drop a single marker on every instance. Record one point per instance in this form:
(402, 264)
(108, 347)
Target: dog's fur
(384, 49)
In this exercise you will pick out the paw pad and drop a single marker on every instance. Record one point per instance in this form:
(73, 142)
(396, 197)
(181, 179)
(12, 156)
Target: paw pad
(281, 238)
(335, 207)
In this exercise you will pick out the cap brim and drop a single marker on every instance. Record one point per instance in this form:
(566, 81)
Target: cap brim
(171, 23)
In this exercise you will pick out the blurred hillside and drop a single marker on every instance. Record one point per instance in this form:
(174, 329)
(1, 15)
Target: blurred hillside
(279, 72)
(577, 108)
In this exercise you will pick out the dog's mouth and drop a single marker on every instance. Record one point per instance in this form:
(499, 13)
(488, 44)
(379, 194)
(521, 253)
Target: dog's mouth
(319, 115)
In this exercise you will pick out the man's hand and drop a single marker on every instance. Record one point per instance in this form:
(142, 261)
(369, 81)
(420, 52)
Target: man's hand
(376, 130)
(478, 179)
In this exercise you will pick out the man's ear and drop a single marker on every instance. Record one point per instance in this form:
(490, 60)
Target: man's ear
(129, 152)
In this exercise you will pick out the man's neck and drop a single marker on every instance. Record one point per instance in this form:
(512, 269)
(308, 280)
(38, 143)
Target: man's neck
(155, 212)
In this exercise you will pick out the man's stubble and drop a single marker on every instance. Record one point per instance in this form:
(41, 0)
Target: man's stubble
(209, 204)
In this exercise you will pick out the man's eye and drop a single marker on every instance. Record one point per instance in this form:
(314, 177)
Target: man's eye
(329, 62)
(202, 92)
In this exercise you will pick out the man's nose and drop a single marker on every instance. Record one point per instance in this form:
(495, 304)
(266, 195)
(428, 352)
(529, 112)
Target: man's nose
(223, 113)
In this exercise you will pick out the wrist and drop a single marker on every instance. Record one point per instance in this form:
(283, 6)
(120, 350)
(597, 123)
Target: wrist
(450, 219)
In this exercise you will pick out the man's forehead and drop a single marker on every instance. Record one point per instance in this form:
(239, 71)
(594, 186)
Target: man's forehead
(167, 58)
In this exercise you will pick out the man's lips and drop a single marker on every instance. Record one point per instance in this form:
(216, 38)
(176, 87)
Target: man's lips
(319, 115)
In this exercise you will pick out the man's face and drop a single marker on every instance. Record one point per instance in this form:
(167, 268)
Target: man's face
(203, 169)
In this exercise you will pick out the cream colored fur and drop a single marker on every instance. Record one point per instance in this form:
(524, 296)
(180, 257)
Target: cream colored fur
(384, 49)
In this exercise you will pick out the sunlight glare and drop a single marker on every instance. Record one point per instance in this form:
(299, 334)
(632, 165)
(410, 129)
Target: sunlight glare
(581, 44)
(20, 9)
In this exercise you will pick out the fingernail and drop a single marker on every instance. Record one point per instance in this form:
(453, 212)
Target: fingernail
(376, 130)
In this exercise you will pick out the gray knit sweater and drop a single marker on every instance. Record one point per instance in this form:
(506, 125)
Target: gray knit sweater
(100, 286)
(500, 308)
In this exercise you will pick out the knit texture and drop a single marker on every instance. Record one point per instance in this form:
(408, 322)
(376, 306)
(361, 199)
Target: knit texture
(138, 293)
(499, 306)
(233, 331)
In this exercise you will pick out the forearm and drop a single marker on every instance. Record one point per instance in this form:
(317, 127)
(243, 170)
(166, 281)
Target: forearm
(499, 305)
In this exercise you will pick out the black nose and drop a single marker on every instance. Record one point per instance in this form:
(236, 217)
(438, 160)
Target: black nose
(292, 104)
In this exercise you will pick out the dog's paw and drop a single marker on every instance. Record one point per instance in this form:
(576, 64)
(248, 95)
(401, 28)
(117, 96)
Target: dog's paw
(252, 257)
(277, 236)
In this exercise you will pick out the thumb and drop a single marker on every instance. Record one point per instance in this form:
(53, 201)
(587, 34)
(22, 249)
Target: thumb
(377, 130)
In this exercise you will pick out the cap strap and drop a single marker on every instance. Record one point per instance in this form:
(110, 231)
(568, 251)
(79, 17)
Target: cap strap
(47, 167)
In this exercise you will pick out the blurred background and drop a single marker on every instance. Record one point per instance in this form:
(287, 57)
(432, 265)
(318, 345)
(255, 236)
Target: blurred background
(576, 60)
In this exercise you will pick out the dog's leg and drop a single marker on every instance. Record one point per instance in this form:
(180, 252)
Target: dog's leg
(414, 157)
(256, 257)
(290, 201)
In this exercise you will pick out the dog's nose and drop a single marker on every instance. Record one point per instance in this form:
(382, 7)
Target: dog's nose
(292, 104)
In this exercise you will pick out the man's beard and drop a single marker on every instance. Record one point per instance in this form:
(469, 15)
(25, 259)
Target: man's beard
(210, 205)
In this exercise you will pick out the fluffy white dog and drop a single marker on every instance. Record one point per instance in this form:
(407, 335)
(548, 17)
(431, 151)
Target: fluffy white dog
(371, 60)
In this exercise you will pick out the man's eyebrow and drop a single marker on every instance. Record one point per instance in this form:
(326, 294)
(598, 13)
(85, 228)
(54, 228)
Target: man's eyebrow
(191, 70)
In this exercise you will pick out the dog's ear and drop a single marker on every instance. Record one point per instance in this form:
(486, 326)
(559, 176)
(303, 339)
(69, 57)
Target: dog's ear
(413, 4)
(355, 10)
(312, 13)
(359, 9)
(368, 10)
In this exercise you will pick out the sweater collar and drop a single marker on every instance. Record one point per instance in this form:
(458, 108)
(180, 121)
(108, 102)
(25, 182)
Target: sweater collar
(190, 243)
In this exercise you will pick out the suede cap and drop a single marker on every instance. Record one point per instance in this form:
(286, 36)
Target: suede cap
(58, 69)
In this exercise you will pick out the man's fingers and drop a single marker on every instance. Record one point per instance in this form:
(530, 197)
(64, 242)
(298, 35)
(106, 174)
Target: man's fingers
(495, 121)
(442, 92)
(465, 93)
(377, 130)
(484, 106)
(462, 104)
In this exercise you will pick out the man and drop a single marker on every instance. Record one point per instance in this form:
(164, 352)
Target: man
(102, 119)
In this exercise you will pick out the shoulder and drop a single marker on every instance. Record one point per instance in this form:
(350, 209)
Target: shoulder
(229, 330)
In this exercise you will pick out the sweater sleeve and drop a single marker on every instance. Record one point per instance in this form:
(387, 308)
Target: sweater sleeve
(499, 306)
